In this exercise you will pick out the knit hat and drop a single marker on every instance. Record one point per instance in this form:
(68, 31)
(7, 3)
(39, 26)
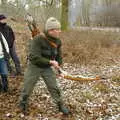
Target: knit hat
(52, 23)
(2, 17)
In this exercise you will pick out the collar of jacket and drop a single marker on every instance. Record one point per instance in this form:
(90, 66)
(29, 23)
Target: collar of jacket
(2, 24)
(51, 38)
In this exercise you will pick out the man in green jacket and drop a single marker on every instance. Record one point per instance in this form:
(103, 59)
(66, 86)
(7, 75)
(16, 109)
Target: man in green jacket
(45, 52)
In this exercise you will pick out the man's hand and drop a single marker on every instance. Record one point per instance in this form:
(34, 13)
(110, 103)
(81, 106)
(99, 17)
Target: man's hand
(61, 75)
(54, 64)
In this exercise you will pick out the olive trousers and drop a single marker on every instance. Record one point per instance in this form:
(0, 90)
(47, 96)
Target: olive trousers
(31, 77)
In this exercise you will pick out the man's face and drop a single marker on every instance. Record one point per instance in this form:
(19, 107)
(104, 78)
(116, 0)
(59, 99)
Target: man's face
(54, 33)
(3, 20)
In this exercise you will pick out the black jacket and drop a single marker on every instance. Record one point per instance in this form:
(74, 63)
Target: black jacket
(8, 33)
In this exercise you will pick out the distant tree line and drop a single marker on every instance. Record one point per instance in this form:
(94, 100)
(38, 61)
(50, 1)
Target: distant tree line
(88, 12)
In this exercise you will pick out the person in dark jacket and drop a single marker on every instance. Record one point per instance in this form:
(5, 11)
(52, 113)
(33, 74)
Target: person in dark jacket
(8, 33)
(45, 52)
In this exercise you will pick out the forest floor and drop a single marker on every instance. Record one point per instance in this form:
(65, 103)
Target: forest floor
(92, 100)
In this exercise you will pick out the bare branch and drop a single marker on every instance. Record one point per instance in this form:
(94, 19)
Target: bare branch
(47, 2)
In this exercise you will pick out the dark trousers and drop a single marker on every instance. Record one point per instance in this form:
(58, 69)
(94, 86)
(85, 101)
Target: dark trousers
(15, 59)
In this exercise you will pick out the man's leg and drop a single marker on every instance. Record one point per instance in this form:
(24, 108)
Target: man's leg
(0, 86)
(51, 83)
(15, 59)
(4, 74)
(0, 79)
(4, 83)
(9, 67)
(30, 78)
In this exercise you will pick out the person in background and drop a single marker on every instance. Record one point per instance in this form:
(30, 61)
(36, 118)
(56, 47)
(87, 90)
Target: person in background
(3, 66)
(8, 33)
(44, 53)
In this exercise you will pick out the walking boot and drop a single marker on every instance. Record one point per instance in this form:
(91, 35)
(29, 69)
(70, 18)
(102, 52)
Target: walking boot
(23, 104)
(63, 109)
(22, 107)
(0, 87)
(4, 83)
(18, 71)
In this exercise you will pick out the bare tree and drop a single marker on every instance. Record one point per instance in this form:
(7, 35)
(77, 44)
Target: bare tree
(64, 14)
(3, 6)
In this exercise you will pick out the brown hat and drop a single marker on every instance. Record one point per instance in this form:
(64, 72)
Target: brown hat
(2, 17)
(52, 23)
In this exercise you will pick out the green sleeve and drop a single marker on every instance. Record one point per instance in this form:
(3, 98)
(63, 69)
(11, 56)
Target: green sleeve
(35, 54)
(39, 61)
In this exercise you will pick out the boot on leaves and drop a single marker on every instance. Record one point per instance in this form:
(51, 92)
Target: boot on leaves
(4, 83)
(23, 104)
(63, 109)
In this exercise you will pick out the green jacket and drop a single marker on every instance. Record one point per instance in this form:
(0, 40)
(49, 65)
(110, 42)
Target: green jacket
(41, 51)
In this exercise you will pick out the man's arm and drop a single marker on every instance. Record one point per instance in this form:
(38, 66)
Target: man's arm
(35, 55)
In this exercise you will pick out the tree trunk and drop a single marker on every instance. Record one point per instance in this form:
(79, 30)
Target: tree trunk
(64, 15)
(3, 2)
(86, 4)
(3, 6)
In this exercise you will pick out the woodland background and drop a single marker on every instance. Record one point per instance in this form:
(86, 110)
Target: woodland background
(91, 47)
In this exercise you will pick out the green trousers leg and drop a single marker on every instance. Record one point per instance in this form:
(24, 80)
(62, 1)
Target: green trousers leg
(50, 80)
(30, 79)
(32, 76)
